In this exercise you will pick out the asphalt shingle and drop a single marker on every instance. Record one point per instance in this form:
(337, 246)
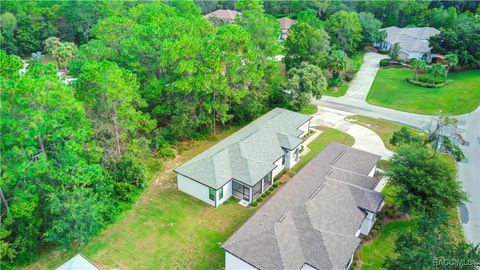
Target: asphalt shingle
(311, 220)
(250, 153)
(413, 39)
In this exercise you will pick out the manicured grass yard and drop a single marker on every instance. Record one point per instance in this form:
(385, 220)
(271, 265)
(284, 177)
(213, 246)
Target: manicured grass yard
(391, 89)
(167, 229)
(374, 253)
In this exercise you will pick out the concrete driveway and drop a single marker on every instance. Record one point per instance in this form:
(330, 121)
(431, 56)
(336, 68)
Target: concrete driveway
(365, 139)
(360, 85)
(468, 170)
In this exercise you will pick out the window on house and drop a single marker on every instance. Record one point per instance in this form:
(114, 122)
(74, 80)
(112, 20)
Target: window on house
(267, 181)
(220, 194)
(283, 159)
(211, 194)
(240, 191)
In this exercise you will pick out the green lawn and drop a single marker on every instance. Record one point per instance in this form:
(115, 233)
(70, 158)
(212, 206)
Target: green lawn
(309, 109)
(339, 91)
(391, 89)
(171, 230)
(374, 253)
(167, 229)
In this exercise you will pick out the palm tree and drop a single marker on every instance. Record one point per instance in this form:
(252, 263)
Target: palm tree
(418, 65)
(338, 63)
(437, 70)
(452, 60)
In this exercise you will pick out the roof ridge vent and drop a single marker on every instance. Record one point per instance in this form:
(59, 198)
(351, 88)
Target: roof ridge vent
(316, 191)
(339, 156)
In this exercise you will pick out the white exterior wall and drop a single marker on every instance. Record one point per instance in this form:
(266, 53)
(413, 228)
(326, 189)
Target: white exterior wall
(194, 188)
(372, 172)
(234, 263)
(418, 55)
(304, 128)
(290, 160)
(279, 167)
(227, 193)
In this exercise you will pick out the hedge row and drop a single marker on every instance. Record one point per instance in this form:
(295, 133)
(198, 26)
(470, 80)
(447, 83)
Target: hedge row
(388, 62)
(425, 84)
(265, 194)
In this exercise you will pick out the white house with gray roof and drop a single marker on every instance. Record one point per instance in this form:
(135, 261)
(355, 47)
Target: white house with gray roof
(413, 41)
(244, 164)
(315, 220)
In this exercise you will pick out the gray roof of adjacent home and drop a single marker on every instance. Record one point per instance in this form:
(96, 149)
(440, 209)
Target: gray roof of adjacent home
(312, 219)
(78, 263)
(414, 39)
(223, 14)
(250, 153)
(353, 178)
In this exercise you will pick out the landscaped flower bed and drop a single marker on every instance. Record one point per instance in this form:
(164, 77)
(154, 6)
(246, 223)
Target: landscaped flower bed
(426, 84)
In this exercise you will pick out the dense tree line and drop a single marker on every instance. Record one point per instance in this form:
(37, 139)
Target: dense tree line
(148, 75)
(426, 188)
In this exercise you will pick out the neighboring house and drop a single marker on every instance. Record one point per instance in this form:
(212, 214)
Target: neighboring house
(413, 41)
(315, 220)
(244, 164)
(78, 263)
(223, 15)
(285, 24)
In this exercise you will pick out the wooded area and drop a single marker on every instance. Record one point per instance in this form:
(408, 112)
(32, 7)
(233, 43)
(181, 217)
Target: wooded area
(151, 74)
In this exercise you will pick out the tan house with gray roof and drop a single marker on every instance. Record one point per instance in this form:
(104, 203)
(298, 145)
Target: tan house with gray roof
(244, 164)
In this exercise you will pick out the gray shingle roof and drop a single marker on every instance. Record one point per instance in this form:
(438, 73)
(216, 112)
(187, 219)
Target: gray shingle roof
(78, 262)
(413, 39)
(356, 179)
(248, 154)
(311, 220)
(356, 161)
